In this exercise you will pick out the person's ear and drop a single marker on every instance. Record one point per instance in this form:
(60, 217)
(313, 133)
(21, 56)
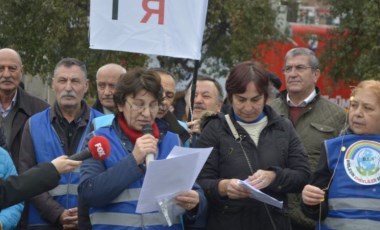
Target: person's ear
(316, 75)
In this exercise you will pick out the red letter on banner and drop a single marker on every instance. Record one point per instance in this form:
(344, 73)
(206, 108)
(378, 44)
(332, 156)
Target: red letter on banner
(160, 11)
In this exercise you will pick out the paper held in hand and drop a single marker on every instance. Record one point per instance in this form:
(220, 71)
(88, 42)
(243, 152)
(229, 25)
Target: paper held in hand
(168, 177)
(260, 196)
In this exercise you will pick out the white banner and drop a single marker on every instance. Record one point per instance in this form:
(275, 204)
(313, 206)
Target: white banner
(160, 27)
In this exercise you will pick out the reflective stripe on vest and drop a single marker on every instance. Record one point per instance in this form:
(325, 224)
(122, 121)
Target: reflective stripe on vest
(131, 194)
(64, 189)
(354, 204)
(350, 224)
(132, 220)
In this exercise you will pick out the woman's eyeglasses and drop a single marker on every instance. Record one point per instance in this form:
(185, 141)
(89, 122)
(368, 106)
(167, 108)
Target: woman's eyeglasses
(153, 107)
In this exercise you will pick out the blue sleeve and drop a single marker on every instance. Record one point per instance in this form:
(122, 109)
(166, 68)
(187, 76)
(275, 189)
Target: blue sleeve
(94, 175)
(9, 217)
(199, 220)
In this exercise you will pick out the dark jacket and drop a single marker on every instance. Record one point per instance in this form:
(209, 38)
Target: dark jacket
(170, 123)
(279, 149)
(36, 180)
(26, 106)
(3, 142)
(98, 106)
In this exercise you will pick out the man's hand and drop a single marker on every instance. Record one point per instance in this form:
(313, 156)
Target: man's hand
(69, 218)
(194, 126)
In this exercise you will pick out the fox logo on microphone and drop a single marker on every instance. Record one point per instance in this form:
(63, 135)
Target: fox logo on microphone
(99, 149)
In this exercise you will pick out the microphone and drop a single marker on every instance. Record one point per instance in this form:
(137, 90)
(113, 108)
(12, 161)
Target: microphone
(147, 129)
(98, 148)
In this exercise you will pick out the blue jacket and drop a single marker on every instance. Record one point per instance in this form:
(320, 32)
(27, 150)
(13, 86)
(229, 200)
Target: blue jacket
(47, 149)
(9, 217)
(124, 179)
(353, 196)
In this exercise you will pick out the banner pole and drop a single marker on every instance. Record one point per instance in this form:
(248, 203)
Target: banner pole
(193, 88)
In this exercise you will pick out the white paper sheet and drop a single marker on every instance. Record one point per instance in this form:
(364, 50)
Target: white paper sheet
(171, 28)
(260, 196)
(166, 178)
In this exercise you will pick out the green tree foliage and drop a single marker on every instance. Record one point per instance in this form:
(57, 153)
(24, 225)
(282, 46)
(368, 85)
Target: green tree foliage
(46, 31)
(354, 51)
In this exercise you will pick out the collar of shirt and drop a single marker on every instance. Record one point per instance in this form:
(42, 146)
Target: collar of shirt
(304, 102)
(81, 118)
(5, 111)
(107, 111)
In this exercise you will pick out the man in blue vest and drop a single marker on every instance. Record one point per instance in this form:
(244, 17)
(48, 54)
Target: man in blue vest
(58, 130)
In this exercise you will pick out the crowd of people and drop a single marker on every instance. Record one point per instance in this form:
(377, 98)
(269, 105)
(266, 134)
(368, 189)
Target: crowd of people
(294, 145)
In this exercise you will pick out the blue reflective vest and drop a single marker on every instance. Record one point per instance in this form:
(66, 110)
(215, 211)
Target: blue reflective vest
(120, 213)
(353, 197)
(47, 146)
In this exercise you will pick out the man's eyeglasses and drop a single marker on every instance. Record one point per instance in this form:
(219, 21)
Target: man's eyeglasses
(153, 107)
(297, 68)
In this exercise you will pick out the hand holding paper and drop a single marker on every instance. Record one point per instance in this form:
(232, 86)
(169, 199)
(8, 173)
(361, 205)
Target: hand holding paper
(169, 177)
(232, 189)
(260, 196)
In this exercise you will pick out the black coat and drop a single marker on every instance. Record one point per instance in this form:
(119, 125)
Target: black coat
(279, 149)
(26, 106)
(97, 105)
(38, 179)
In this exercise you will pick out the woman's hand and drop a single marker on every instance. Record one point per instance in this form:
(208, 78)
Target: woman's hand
(261, 178)
(312, 195)
(232, 189)
(188, 200)
(144, 145)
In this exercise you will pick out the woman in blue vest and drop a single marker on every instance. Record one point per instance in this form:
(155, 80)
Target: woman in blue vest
(344, 190)
(111, 188)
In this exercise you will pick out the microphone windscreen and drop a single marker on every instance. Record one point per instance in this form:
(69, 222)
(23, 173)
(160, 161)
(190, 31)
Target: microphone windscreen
(147, 129)
(99, 147)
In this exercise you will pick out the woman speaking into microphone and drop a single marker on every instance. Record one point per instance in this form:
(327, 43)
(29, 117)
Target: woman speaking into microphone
(137, 96)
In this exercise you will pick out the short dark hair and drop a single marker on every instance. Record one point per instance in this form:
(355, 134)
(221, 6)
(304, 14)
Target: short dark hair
(68, 62)
(216, 83)
(135, 80)
(246, 72)
(164, 71)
